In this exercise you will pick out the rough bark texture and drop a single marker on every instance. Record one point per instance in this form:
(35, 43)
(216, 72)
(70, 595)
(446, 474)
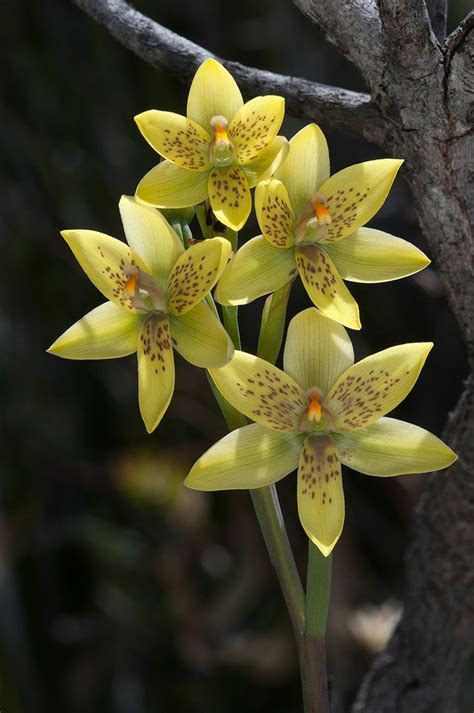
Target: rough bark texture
(420, 108)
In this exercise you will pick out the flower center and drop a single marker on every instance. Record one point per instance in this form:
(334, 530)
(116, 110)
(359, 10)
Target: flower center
(144, 292)
(314, 220)
(221, 149)
(316, 417)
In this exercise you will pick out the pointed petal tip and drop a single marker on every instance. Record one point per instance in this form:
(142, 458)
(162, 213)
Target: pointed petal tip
(325, 550)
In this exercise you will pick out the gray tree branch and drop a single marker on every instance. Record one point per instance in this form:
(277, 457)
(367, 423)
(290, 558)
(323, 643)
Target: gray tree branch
(353, 26)
(180, 57)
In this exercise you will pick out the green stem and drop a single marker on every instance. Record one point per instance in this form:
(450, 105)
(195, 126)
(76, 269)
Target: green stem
(230, 315)
(201, 213)
(313, 665)
(273, 323)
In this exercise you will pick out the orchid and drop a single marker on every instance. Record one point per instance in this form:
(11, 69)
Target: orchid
(218, 152)
(312, 224)
(321, 411)
(155, 291)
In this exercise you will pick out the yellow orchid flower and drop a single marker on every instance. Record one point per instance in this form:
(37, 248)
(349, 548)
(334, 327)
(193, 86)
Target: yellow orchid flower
(321, 411)
(312, 224)
(219, 151)
(155, 290)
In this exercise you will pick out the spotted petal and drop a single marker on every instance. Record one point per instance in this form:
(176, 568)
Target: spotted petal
(229, 194)
(370, 255)
(170, 186)
(103, 259)
(255, 126)
(107, 332)
(307, 166)
(374, 386)
(200, 338)
(325, 287)
(317, 350)
(274, 213)
(267, 162)
(257, 269)
(151, 237)
(155, 370)
(196, 272)
(393, 447)
(261, 392)
(320, 493)
(213, 92)
(250, 457)
(176, 138)
(355, 194)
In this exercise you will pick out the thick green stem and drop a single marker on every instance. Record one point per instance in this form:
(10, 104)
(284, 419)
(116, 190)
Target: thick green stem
(230, 315)
(313, 668)
(273, 323)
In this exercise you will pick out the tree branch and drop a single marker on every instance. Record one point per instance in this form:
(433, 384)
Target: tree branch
(180, 57)
(422, 666)
(353, 26)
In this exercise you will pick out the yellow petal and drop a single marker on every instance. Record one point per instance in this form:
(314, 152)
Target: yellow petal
(355, 194)
(107, 332)
(261, 392)
(320, 493)
(155, 370)
(306, 167)
(229, 194)
(374, 386)
(169, 186)
(177, 138)
(151, 237)
(249, 457)
(256, 269)
(317, 350)
(255, 126)
(103, 259)
(213, 92)
(326, 289)
(274, 213)
(268, 161)
(200, 338)
(196, 272)
(393, 447)
(370, 255)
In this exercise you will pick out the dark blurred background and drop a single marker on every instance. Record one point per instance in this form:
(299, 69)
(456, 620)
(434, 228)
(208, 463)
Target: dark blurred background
(120, 590)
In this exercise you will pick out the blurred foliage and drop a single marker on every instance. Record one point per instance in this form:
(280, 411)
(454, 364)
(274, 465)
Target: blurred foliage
(120, 591)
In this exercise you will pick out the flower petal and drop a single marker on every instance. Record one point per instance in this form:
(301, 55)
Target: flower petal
(307, 166)
(151, 237)
(393, 447)
(320, 493)
(255, 126)
(229, 194)
(326, 289)
(103, 259)
(274, 213)
(261, 391)
(106, 332)
(267, 162)
(317, 350)
(355, 194)
(255, 270)
(177, 138)
(196, 272)
(170, 186)
(250, 457)
(374, 386)
(370, 255)
(200, 338)
(213, 92)
(155, 370)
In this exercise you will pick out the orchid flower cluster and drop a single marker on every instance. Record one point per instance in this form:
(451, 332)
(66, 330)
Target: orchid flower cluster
(322, 409)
